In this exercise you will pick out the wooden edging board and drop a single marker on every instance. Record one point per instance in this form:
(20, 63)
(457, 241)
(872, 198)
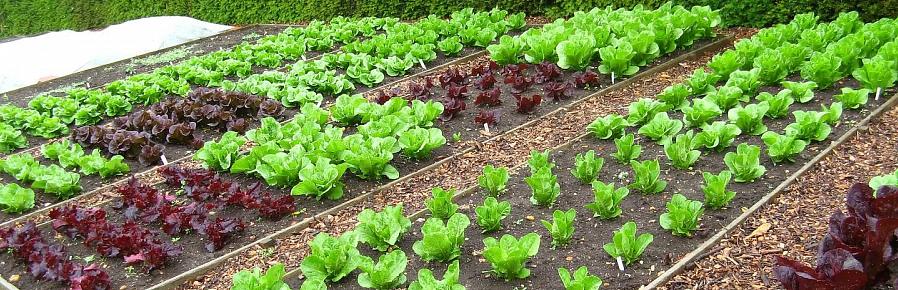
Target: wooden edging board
(305, 223)
(691, 257)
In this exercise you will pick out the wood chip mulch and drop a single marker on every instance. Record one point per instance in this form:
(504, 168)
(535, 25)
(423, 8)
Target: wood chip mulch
(793, 224)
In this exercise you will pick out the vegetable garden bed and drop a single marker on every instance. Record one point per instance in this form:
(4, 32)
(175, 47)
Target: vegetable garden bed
(338, 138)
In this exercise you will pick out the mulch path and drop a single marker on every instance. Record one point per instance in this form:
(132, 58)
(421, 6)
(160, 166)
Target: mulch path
(793, 224)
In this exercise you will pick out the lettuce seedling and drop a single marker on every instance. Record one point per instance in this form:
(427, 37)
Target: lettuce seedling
(715, 189)
(440, 204)
(576, 52)
(491, 214)
(493, 179)
(544, 186)
(442, 242)
(803, 92)
(418, 143)
(581, 280)
(853, 99)
(56, 180)
(220, 155)
(426, 280)
(607, 200)
(272, 280)
(701, 112)
(647, 177)
(822, 68)
(424, 114)
(562, 227)
(382, 230)
(509, 255)
(15, 199)
(701, 82)
(626, 246)
(539, 160)
(675, 96)
(783, 148)
(745, 163)
(643, 110)
(728, 97)
(609, 126)
(682, 216)
(661, 128)
(320, 179)
(627, 149)
(681, 152)
(331, 258)
(809, 126)
(750, 118)
(718, 135)
(387, 273)
(587, 166)
(778, 105)
(395, 66)
(833, 113)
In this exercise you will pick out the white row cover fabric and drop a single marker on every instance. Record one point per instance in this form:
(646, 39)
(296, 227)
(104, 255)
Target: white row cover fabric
(27, 61)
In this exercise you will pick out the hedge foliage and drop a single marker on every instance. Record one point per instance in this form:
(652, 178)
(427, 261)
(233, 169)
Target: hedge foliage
(23, 17)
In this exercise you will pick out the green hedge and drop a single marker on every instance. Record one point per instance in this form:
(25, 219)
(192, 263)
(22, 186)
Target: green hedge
(23, 17)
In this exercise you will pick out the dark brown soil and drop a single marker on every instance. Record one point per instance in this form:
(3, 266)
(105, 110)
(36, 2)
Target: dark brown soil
(591, 233)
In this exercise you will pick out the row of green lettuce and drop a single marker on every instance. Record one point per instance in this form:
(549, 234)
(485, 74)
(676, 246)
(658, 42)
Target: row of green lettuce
(311, 152)
(333, 258)
(62, 179)
(621, 40)
(48, 116)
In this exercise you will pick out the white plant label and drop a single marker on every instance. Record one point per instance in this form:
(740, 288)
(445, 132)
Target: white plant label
(164, 160)
(620, 264)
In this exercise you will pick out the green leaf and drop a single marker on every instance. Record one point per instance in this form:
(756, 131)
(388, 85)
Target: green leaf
(272, 280)
(426, 280)
(627, 149)
(718, 135)
(418, 143)
(745, 163)
(581, 280)
(661, 128)
(626, 245)
(609, 126)
(442, 242)
(15, 199)
(682, 216)
(801, 91)
(680, 152)
(701, 112)
(491, 214)
(607, 200)
(387, 273)
(220, 155)
(777, 106)
(320, 179)
(562, 227)
(544, 187)
(507, 51)
(809, 126)
(647, 177)
(440, 204)
(853, 99)
(715, 189)
(382, 230)
(750, 118)
(509, 255)
(783, 148)
(576, 52)
(587, 166)
(493, 179)
(331, 258)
